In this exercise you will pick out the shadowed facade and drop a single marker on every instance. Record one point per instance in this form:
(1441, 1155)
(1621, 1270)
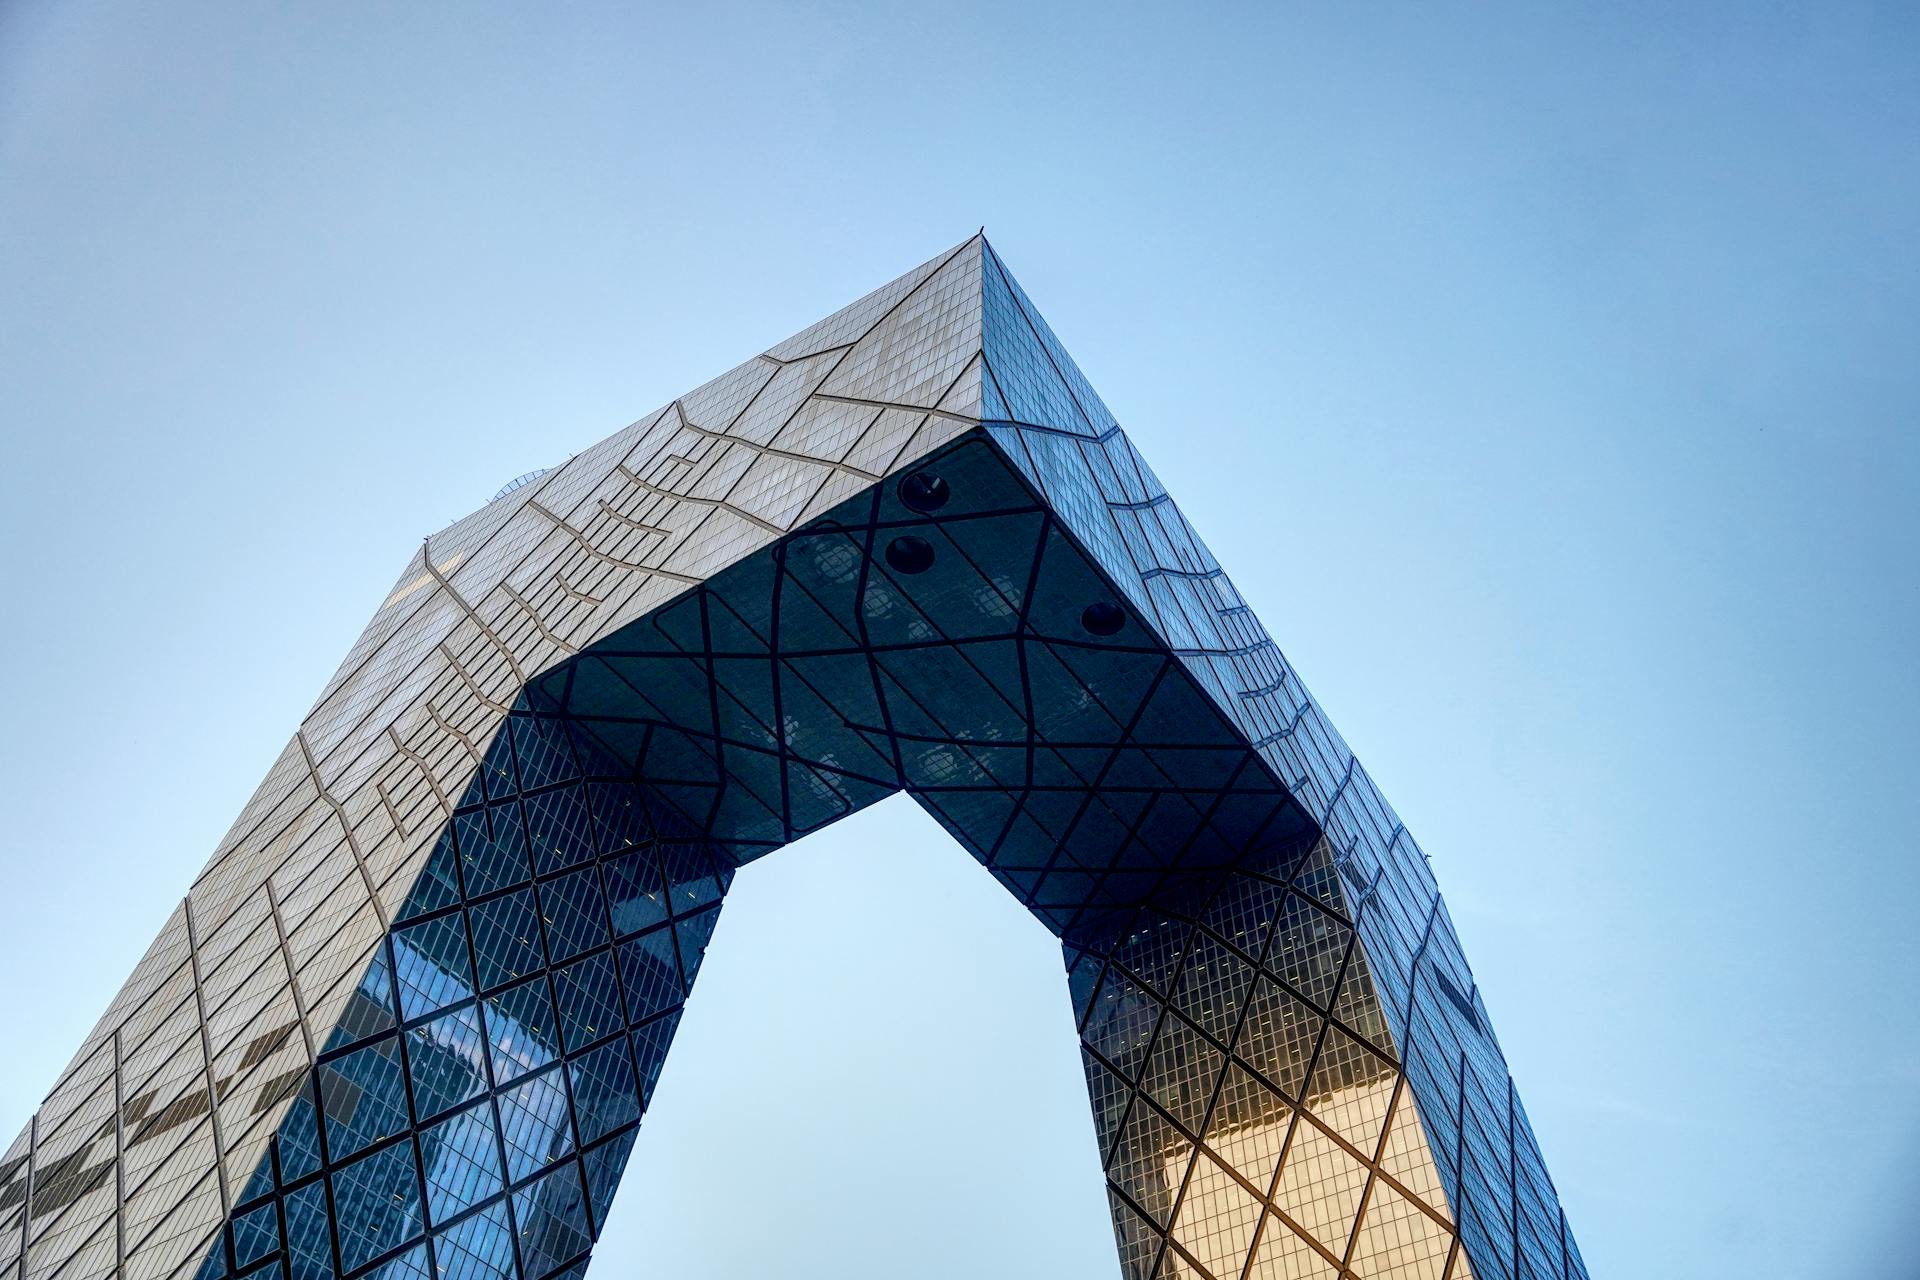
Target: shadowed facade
(407, 1021)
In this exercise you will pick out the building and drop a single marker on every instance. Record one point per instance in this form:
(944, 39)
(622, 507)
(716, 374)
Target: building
(407, 1019)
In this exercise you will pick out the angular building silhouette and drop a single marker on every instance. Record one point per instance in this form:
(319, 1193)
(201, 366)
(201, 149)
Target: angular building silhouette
(407, 1019)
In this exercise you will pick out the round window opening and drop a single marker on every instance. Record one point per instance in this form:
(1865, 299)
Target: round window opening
(1103, 618)
(925, 492)
(908, 554)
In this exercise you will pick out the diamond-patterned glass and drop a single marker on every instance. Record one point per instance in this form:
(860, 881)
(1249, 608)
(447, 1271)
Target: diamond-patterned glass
(407, 1020)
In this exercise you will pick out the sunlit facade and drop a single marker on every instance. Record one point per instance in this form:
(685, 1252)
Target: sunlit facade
(408, 1018)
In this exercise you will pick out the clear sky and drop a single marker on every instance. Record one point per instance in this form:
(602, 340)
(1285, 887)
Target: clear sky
(1545, 376)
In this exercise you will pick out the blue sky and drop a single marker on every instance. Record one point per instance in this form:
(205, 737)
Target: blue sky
(1544, 375)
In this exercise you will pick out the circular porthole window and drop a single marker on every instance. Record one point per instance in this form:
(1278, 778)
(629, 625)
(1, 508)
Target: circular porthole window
(924, 492)
(908, 554)
(1103, 618)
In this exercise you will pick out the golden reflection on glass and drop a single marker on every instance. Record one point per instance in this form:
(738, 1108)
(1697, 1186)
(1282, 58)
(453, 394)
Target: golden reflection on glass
(1339, 1182)
(1400, 1236)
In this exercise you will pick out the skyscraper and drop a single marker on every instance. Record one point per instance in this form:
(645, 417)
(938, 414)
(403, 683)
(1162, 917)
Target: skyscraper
(407, 1019)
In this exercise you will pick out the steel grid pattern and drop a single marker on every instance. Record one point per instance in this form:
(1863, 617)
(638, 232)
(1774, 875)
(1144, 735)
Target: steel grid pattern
(407, 1019)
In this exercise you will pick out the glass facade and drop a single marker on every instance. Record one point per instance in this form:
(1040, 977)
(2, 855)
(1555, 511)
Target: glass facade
(408, 1020)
